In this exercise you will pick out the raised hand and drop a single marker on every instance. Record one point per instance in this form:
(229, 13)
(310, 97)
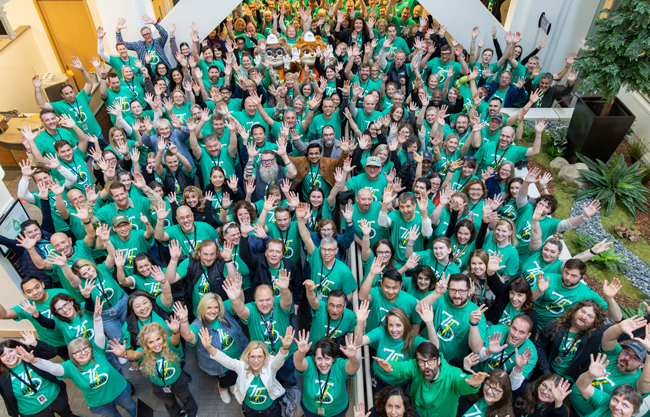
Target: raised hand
(588, 210)
(303, 341)
(598, 367)
(28, 307)
(426, 313)
(350, 348)
(117, 348)
(610, 290)
(413, 261)
(287, 340)
(385, 365)
(477, 379)
(89, 286)
(523, 359)
(542, 282)
(175, 250)
(476, 315)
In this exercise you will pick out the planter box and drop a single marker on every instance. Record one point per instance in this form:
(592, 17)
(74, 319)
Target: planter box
(597, 137)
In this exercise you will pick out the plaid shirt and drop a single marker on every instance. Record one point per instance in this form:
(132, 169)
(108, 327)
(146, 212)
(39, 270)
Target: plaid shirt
(141, 48)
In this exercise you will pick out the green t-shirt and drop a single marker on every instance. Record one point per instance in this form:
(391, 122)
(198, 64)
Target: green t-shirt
(376, 187)
(81, 112)
(508, 314)
(325, 391)
(98, 380)
(81, 251)
(391, 350)
(379, 306)
(137, 206)
(166, 372)
(565, 355)
(322, 326)
(313, 179)
(440, 397)
(148, 284)
(153, 318)
(248, 122)
(201, 287)
(558, 299)
(452, 325)
(26, 397)
(427, 258)
(319, 122)
(367, 86)
(436, 66)
(460, 253)
(117, 63)
(290, 239)
(478, 409)
(80, 326)
(224, 160)
(190, 240)
(363, 120)
(509, 210)
(267, 328)
(399, 235)
(45, 141)
(257, 397)
(531, 266)
(338, 277)
(49, 336)
(241, 267)
(107, 288)
(325, 212)
(509, 253)
(135, 244)
(413, 290)
(607, 383)
(489, 155)
(376, 232)
(506, 358)
(523, 224)
(122, 98)
(445, 161)
(78, 167)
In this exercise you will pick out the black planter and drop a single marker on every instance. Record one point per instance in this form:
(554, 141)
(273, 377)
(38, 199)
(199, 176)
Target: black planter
(594, 136)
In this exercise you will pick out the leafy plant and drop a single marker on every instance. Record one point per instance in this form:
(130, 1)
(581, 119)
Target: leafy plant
(559, 138)
(636, 149)
(608, 259)
(551, 149)
(616, 183)
(617, 55)
(629, 312)
(646, 176)
(528, 134)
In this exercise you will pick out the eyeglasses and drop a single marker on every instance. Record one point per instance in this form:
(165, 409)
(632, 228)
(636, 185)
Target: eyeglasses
(427, 362)
(82, 350)
(493, 389)
(384, 252)
(335, 306)
(267, 161)
(63, 308)
(476, 189)
(629, 352)
(329, 250)
(459, 292)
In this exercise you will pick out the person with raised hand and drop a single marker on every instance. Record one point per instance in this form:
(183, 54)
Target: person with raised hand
(325, 374)
(150, 47)
(626, 362)
(395, 338)
(107, 388)
(159, 356)
(257, 388)
(274, 317)
(27, 390)
(545, 397)
(436, 386)
(493, 398)
(624, 401)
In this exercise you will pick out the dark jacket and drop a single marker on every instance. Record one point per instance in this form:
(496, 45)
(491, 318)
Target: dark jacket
(41, 350)
(547, 349)
(133, 326)
(501, 300)
(215, 279)
(514, 95)
(260, 274)
(549, 411)
(492, 185)
(552, 94)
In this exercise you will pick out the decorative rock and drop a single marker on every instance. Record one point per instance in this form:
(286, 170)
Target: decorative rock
(622, 231)
(570, 174)
(635, 236)
(559, 162)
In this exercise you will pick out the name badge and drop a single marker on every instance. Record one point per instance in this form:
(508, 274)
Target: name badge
(321, 411)
(42, 399)
(558, 360)
(167, 390)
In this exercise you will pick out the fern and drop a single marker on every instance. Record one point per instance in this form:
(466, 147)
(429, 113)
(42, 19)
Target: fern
(608, 259)
(552, 150)
(629, 312)
(618, 183)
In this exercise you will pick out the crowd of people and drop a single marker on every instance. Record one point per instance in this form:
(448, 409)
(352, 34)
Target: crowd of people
(215, 216)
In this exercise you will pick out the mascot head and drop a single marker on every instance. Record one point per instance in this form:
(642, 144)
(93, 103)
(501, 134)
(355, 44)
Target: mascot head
(276, 50)
(307, 46)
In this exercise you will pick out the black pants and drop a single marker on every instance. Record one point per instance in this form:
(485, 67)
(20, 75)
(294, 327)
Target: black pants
(275, 410)
(62, 351)
(180, 389)
(60, 406)
(228, 379)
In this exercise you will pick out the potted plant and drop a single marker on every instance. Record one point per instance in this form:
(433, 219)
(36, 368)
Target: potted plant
(616, 56)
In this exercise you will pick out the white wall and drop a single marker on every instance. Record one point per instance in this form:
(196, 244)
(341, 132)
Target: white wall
(109, 11)
(23, 12)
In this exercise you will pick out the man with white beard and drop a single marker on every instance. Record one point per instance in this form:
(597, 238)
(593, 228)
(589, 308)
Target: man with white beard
(268, 172)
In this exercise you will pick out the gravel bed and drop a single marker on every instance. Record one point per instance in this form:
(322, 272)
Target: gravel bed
(637, 271)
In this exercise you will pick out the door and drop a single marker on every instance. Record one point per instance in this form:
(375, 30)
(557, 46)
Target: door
(71, 30)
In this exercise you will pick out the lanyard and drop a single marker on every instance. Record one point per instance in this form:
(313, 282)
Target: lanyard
(468, 180)
(456, 257)
(324, 278)
(189, 241)
(162, 375)
(443, 271)
(270, 328)
(322, 392)
(503, 361)
(474, 206)
(328, 334)
(102, 291)
(131, 87)
(566, 352)
(496, 153)
(275, 287)
(216, 196)
(76, 109)
(284, 241)
(57, 133)
(145, 322)
(30, 384)
(72, 167)
(313, 184)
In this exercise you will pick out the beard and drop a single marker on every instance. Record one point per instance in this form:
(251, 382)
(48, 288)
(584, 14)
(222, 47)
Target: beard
(269, 175)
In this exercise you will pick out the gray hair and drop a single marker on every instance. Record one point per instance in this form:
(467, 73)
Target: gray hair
(328, 240)
(546, 76)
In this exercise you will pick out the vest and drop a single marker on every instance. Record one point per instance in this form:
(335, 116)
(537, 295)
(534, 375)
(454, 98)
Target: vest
(206, 363)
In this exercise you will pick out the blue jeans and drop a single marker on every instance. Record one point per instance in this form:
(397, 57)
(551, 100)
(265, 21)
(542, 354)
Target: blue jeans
(124, 400)
(287, 374)
(114, 318)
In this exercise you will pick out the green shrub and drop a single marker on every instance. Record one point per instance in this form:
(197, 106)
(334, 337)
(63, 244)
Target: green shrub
(552, 150)
(528, 134)
(636, 149)
(646, 176)
(629, 312)
(559, 138)
(618, 183)
(609, 260)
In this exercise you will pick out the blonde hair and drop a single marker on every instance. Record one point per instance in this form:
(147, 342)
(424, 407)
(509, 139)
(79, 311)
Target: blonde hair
(205, 302)
(254, 344)
(196, 255)
(80, 263)
(149, 358)
(77, 344)
(511, 224)
(199, 195)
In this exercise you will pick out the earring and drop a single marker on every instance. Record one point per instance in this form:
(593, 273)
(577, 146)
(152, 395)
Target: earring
(164, 344)
(150, 351)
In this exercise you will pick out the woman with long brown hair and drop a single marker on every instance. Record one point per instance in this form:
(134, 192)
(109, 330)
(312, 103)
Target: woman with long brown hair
(394, 341)
(544, 398)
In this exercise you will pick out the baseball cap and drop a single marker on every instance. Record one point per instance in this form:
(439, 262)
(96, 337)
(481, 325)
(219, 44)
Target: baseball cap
(225, 87)
(373, 161)
(637, 347)
(120, 218)
(426, 156)
(497, 116)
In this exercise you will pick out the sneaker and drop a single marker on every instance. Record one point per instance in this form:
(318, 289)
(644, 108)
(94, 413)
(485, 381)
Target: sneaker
(122, 361)
(225, 396)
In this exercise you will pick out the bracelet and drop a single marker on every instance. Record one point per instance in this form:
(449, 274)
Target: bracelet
(472, 324)
(228, 261)
(87, 223)
(97, 318)
(176, 332)
(185, 321)
(173, 259)
(592, 252)
(164, 281)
